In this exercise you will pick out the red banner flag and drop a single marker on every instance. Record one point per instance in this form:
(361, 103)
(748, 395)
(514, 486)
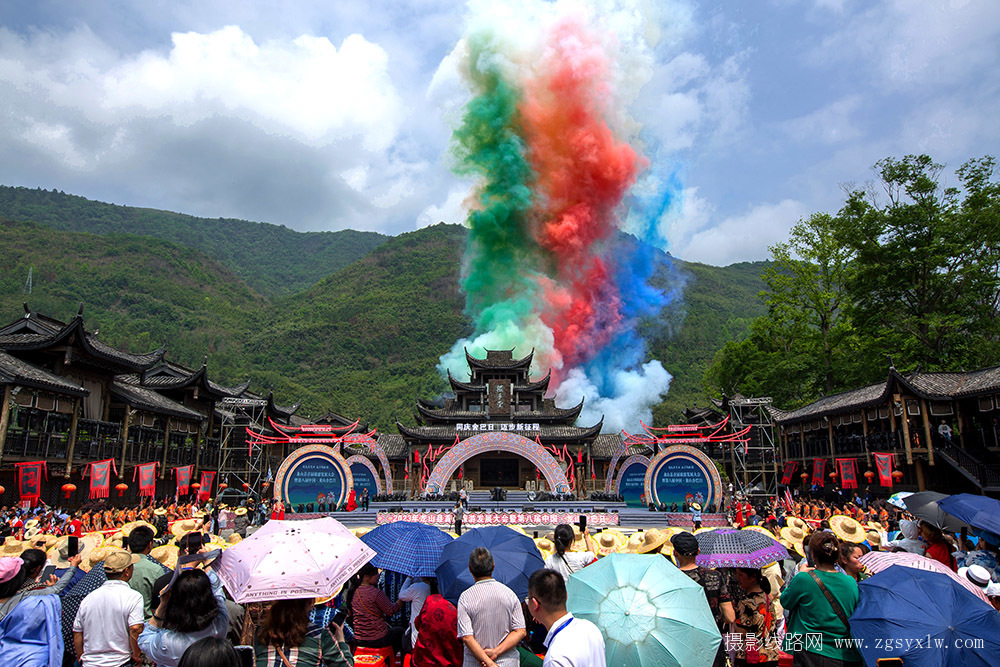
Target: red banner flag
(29, 477)
(147, 478)
(789, 470)
(819, 471)
(884, 463)
(100, 477)
(183, 479)
(848, 474)
(207, 478)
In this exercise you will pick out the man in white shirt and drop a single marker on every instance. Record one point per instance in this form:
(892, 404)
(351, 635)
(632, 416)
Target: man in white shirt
(571, 642)
(490, 620)
(108, 624)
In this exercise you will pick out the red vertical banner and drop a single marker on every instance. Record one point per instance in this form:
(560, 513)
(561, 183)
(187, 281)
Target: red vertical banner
(183, 479)
(819, 472)
(147, 478)
(100, 477)
(207, 478)
(29, 479)
(789, 470)
(848, 473)
(883, 463)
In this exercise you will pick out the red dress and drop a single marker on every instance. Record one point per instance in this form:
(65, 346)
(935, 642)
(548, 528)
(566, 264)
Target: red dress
(352, 503)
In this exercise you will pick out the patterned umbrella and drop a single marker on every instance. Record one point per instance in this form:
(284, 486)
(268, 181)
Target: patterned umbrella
(876, 561)
(292, 559)
(650, 612)
(897, 499)
(406, 547)
(728, 547)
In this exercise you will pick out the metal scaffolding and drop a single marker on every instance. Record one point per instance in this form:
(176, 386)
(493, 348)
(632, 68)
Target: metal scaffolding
(239, 462)
(755, 468)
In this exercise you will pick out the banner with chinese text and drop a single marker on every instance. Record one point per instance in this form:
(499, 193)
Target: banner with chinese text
(819, 471)
(100, 477)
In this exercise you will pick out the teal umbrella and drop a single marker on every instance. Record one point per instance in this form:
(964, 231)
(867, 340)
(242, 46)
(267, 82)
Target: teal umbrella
(650, 612)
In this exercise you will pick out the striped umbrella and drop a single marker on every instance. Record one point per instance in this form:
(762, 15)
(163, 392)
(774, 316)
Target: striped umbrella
(729, 547)
(876, 561)
(406, 547)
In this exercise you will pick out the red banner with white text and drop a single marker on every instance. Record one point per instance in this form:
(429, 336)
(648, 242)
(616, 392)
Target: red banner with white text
(184, 479)
(147, 478)
(29, 478)
(848, 473)
(207, 479)
(884, 464)
(100, 477)
(819, 471)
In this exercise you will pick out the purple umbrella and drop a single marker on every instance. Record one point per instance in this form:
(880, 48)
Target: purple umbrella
(292, 559)
(728, 547)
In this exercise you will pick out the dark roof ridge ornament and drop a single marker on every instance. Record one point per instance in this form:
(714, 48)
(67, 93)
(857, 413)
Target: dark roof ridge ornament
(892, 366)
(27, 310)
(204, 361)
(79, 311)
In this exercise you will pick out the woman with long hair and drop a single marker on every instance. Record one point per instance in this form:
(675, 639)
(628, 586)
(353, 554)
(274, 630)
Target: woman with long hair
(755, 615)
(210, 652)
(369, 609)
(192, 609)
(288, 639)
(937, 547)
(564, 561)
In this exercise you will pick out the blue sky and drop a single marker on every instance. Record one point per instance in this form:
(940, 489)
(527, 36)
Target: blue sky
(332, 115)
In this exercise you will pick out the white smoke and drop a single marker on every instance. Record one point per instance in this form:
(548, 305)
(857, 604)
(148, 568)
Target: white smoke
(633, 395)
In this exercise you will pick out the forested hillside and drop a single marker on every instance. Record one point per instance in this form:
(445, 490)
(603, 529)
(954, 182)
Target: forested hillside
(274, 260)
(362, 341)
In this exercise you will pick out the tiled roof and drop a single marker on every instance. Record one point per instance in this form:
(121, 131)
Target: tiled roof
(501, 359)
(147, 399)
(17, 372)
(393, 445)
(606, 444)
(853, 399)
(952, 385)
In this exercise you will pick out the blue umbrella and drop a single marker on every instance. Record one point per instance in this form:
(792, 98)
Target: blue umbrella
(977, 511)
(515, 557)
(650, 612)
(406, 547)
(925, 619)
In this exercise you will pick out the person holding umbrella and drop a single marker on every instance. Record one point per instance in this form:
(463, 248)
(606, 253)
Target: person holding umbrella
(716, 590)
(287, 637)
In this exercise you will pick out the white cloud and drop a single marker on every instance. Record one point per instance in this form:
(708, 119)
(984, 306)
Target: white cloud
(454, 210)
(832, 124)
(746, 237)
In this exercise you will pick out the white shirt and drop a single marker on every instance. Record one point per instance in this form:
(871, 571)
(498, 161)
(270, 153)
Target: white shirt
(414, 592)
(574, 642)
(104, 619)
(575, 561)
(489, 611)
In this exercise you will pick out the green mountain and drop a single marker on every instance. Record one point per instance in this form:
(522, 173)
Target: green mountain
(362, 340)
(272, 259)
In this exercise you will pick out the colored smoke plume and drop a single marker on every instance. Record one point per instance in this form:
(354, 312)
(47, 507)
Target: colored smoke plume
(549, 265)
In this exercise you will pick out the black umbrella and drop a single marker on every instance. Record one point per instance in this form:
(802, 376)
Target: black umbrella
(924, 506)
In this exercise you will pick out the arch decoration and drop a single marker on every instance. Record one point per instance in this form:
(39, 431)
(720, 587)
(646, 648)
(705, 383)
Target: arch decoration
(363, 460)
(492, 441)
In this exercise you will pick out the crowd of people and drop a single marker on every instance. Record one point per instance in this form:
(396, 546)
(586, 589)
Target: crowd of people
(105, 599)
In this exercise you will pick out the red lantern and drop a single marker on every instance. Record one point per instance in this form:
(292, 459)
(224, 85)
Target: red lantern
(246, 487)
(869, 475)
(223, 486)
(121, 487)
(196, 486)
(833, 475)
(265, 485)
(804, 476)
(897, 475)
(2, 490)
(68, 489)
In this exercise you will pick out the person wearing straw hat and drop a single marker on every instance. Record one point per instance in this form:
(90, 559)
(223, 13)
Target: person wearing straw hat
(685, 547)
(564, 561)
(110, 619)
(847, 529)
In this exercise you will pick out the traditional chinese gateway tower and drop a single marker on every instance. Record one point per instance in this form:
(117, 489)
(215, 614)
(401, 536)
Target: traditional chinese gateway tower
(496, 420)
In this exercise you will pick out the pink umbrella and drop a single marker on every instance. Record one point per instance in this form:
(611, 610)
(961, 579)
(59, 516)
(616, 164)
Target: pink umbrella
(292, 559)
(876, 561)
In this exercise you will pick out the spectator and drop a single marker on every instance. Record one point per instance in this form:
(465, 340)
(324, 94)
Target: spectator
(210, 652)
(369, 608)
(712, 581)
(459, 512)
(490, 620)
(192, 609)
(109, 621)
(570, 642)
(415, 592)
(850, 552)
(288, 639)
(436, 644)
(146, 570)
(910, 540)
(756, 618)
(819, 602)
(564, 561)
(937, 548)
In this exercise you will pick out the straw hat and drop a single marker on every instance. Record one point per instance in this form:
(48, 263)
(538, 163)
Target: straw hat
(796, 522)
(546, 547)
(127, 529)
(235, 538)
(703, 529)
(97, 536)
(579, 543)
(42, 541)
(358, 532)
(517, 529)
(876, 526)
(86, 544)
(240, 511)
(12, 546)
(668, 547)
(98, 555)
(608, 542)
(652, 541)
(793, 534)
(762, 530)
(874, 538)
(847, 529)
(159, 511)
(635, 540)
(184, 526)
(696, 507)
(799, 549)
(166, 554)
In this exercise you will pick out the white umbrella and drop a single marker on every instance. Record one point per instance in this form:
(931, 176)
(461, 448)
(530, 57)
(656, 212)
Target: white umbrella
(292, 559)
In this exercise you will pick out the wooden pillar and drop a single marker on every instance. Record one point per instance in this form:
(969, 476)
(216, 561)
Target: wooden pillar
(5, 417)
(125, 427)
(166, 449)
(802, 446)
(919, 466)
(72, 435)
(927, 430)
(833, 454)
(906, 430)
(197, 451)
(864, 430)
(959, 424)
